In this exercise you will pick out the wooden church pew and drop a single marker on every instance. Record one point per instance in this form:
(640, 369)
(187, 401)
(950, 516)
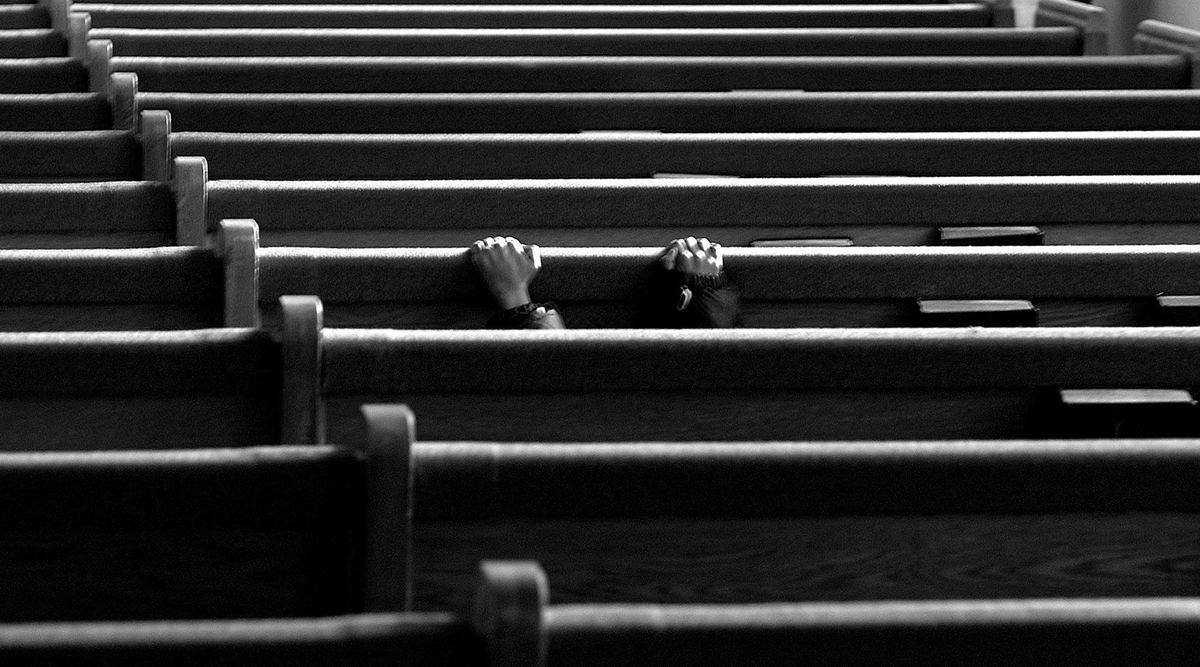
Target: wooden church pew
(139, 390)
(118, 290)
(746, 111)
(226, 533)
(42, 75)
(53, 112)
(652, 73)
(95, 155)
(642, 155)
(965, 15)
(89, 215)
(753, 384)
(436, 639)
(1051, 41)
(803, 521)
(650, 212)
(780, 287)
(32, 17)
(32, 43)
(527, 630)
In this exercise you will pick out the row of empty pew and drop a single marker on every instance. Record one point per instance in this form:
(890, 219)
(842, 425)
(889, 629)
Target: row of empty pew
(889, 465)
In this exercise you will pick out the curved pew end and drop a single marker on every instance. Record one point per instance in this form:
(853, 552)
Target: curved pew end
(1156, 37)
(122, 98)
(1091, 21)
(237, 244)
(391, 430)
(301, 409)
(99, 65)
(189, 183)
(79, 24)
(509, 612)
(155, 136)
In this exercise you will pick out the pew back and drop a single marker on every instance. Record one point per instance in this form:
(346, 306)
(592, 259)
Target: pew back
(259, 532)
(780, 287)
(139, 390)
(754, 384)
(740, 522)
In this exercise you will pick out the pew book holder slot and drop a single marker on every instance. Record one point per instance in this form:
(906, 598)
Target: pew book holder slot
(1004, 235)
(832, 242)
(976, 312)
(1124, 413)
(1178, 310)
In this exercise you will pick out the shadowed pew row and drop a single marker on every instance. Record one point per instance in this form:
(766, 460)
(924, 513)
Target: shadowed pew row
(648, 212)
(1055, 210)
(88, 215)
(756, 384)
(965, 15)
(31, 16)
(511, 623)
(780, 287)
(590, 41)
(32, 43)
(42, 75)
(993, 632)
(140, 390)
(96, 155)
(634, 155)
(227, 533)
(434, 639)
(117, 290)
(55, 112)
(745, 111)
(651, 73)
(789, 521)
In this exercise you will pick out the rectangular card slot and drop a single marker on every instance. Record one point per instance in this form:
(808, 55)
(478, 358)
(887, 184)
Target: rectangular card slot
(1178, 310)
(976, 312)
(1016, 235)
(1126, 413)
(836, 242)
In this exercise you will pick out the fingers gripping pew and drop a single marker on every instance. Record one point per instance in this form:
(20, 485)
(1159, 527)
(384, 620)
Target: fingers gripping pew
(817, 521)
(779, 287)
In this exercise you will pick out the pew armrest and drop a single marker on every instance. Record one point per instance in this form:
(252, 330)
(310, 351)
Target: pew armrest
(1091, 21)
(1156, 37)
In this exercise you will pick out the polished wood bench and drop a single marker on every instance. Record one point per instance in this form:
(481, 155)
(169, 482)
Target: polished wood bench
(736, 211)
(780, 287)
(276, 156)
(229, 533)
(959, 15)
(752, 384)
(802, 521)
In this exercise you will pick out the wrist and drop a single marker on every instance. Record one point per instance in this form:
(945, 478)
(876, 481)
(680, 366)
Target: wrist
(512, 298)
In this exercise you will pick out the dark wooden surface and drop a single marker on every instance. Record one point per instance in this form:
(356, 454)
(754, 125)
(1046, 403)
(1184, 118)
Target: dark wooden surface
(596, 41)
(945, 557)
(641, 155)
(544, 16)
(223, 534)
